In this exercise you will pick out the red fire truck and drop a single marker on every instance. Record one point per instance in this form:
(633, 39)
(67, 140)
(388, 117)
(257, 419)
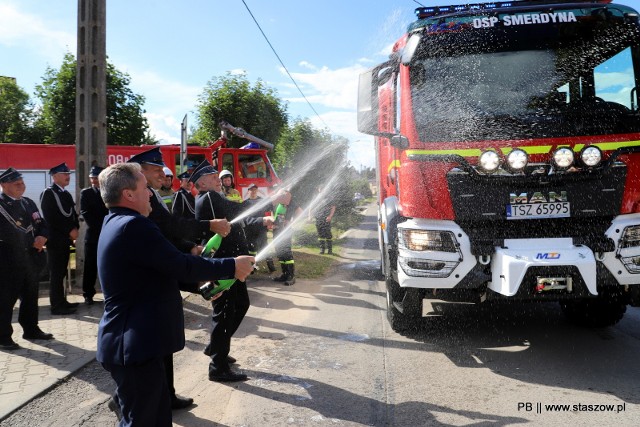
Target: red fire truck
(249, 165)
(508, 150)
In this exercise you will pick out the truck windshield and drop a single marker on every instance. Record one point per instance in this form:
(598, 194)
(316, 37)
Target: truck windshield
(527, 81)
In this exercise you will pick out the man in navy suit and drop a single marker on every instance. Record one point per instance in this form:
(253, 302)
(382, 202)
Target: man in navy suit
(143, 319)
(93, 211)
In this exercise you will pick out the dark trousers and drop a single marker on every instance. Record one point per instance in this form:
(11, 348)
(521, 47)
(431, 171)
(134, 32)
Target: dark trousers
(228, 312)
(90, 270)
(168, 371)
(19, 282)
(58, 256)
(141, 393)
(283, 248)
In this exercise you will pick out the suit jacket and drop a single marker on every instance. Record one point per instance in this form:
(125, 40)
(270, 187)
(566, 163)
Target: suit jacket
(139, 270)
(59, 210)
(93, 211)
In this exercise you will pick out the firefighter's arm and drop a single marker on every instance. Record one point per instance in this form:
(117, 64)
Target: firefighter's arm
(333, 211)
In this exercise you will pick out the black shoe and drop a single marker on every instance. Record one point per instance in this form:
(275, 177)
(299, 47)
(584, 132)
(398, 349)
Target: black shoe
(290, 281)
(115, 408)
(226, 376)
(63, 310)
(280, 278)
(181, 402)
(37, 334)
(9, 345)
(89, 300)
(71, 304)
(231, 360)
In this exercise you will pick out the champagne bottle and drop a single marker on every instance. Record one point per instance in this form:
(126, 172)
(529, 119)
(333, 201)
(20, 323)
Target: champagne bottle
(213, 244)
(209, 289)
(281, 211)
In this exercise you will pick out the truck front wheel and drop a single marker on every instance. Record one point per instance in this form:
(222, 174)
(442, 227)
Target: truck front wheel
(606, 309)
(404, 306)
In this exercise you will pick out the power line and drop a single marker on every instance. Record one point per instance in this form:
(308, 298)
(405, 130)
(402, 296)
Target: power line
(282, 63)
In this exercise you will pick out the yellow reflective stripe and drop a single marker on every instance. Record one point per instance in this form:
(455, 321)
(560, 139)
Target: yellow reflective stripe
(394, 164)
(608, 146)
(288, 262)
(464, 152)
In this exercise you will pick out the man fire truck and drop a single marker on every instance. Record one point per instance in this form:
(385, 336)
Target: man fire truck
(508, 150)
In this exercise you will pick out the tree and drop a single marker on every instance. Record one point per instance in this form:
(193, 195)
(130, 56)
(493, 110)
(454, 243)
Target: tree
(257, 110)
(16, 113)
(126, 124)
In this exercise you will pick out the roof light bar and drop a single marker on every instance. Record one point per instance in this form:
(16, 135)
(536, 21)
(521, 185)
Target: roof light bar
(428, 12)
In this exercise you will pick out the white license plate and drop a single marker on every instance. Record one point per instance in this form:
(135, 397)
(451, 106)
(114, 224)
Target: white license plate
(539, 210)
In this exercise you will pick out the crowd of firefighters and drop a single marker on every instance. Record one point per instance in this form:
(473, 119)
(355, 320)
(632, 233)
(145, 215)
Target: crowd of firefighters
(185, 220)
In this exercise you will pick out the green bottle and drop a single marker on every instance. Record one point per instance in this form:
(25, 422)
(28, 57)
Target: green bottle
(209, 289)
(212, 245)
(281, 211)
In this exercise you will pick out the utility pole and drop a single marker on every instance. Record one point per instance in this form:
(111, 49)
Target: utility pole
(91, 89)
(91, 101)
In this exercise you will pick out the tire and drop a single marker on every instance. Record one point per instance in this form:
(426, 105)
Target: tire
(404, 307)
(605, 310)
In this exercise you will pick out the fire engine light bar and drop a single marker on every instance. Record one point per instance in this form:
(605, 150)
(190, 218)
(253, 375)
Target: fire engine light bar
(591, 156)
(428, 12)
(563, 157)
(489, 161)
(517, 159)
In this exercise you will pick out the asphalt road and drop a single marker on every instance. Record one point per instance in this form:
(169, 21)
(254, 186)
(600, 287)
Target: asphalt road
(322, 353)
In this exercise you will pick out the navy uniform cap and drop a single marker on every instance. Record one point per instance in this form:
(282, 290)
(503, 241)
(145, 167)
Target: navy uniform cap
(149, 157)
(184, 175)
(10, 175)
(202, 169)
(251, 186)
(61, 168)
(95, 171)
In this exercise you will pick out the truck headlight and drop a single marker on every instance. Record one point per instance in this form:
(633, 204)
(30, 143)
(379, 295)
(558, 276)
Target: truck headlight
(591, 156)
(630, 237)
(517, 159)
(428, 240)
(563, 157)
(489, 161)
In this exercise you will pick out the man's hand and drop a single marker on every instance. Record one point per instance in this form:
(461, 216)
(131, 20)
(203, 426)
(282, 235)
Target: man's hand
(244, 266)
(197, 250)
(220, 226)
(73, 234)
(267, 221)
(39, 242)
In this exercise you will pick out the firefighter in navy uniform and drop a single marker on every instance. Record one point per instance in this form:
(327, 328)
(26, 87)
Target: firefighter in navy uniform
(93, 210)
(23, 233)
(59, 210)
(184, 202)
(230, 307)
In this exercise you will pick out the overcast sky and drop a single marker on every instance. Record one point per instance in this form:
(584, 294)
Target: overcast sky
(172, 49)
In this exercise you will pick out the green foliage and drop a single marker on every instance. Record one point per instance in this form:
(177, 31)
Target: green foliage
(256, 109)
(16, 113)
(361, 186)
(126, 124)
